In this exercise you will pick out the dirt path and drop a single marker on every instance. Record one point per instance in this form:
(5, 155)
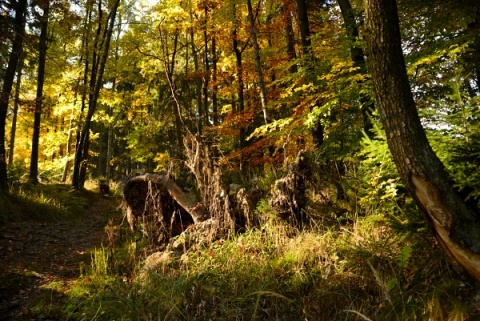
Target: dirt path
(37, 257)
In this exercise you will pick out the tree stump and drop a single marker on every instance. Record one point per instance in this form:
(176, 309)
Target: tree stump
(161, 205)
(288, 193)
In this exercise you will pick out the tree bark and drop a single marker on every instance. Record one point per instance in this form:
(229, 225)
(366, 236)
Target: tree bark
(16, 103)
(186, 200)
(19, 28)
(473, 29)
(81, 154)
(358, 59)
(258, 62)
(206, 74)
(42, 57)
(304, 26)
(240, 83)
(198, 80)
(292, 55)
(455, 226)
(215, 86)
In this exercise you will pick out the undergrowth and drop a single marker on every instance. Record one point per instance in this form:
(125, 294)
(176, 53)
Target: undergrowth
(360, 271)
(378, 264)
(43, 202)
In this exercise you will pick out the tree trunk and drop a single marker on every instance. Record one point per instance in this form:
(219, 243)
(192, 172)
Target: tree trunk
(258, 62)
(169, 72)
(292, 55)
(69, 142)
(455, 226)
(19, 28)
(358, 58)
(108, 174)
(81, 154)
(356, 52)
(198, 80)
(215, 86)
(42, 57)
(304, 27)
(206, 74)
(473, 29)
(240, 84)
(16, 103)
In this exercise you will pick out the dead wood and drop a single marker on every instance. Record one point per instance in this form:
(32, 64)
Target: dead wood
(288, 193)
(161, 205)
(231, 207)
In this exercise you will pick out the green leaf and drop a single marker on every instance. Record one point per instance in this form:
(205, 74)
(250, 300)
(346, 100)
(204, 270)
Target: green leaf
(404, 257)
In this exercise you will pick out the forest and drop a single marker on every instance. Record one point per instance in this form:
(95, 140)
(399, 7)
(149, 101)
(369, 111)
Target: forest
(260, 160)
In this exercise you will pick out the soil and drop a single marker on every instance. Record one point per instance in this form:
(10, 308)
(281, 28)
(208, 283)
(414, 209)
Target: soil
(41, 259)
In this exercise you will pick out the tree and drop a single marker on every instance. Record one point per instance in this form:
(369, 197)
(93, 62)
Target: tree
(455, 226)
(290, 35)
(358, 59)
(96, 83)
(258, 63)
(39, 101)
(304, 27)
(15, 53)
(15, 110)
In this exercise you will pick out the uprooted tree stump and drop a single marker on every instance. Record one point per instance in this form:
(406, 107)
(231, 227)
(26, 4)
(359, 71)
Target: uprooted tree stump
(161, 205)
(288, 198)
(165, 210)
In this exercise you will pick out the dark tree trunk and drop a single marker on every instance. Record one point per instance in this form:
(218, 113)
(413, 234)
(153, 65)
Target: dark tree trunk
(356, 52)
(206, 74)
(358, 58)
(19, 28)
(304, 26)
(42, 57)
(258, 63)
(474, 29)
(240, 84)
(16, 103)
(215, 86)
(81, 154)
(455, 226)
(169, 70)
(198, 80)
(292, 55)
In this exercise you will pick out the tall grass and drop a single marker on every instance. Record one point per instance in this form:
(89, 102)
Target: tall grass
(362, 271)
(43, 202)
(363, 268)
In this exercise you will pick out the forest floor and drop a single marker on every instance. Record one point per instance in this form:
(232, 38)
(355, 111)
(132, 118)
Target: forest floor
(41, 259)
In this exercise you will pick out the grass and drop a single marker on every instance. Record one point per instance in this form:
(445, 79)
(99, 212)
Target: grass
(43, 202)
(364, 269)
(358, 272)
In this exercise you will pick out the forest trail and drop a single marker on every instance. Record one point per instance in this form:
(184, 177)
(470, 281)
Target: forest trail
(39, 259)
